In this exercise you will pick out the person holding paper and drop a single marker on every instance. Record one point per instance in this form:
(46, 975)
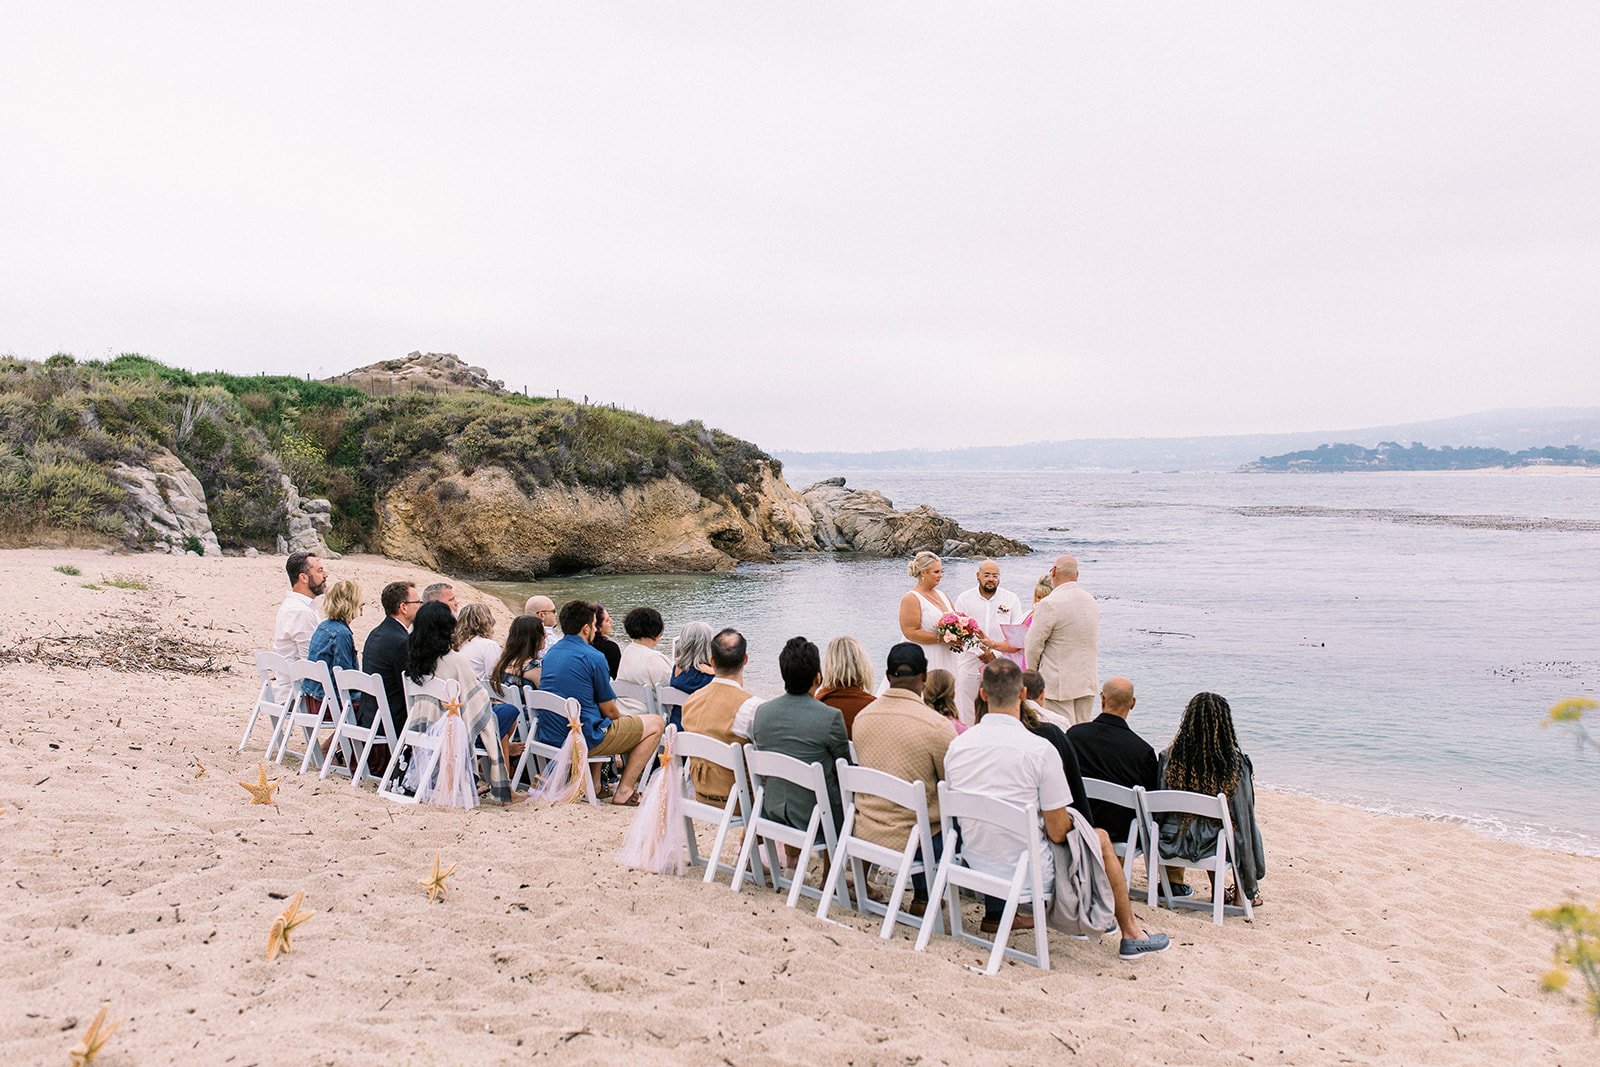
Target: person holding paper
(993, 609)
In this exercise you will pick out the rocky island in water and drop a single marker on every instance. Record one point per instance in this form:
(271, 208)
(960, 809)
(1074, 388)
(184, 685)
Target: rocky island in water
(1391, 456)
(423, 459)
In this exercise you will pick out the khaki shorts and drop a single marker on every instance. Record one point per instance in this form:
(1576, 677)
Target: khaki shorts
(625, 733)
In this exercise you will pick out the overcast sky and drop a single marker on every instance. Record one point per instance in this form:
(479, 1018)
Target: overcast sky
(827, 225)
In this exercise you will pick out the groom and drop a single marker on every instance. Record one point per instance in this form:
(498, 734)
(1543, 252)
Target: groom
(991, 607)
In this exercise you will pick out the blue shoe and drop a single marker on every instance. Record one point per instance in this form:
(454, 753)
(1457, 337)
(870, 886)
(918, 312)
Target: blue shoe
(1183, 889)
(1133, 948)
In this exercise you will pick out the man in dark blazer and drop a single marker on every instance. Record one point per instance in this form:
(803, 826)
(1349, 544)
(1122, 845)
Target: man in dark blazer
(1108, 749)
(386, 651)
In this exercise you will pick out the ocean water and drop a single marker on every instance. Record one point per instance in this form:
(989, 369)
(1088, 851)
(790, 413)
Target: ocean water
(1390, 641)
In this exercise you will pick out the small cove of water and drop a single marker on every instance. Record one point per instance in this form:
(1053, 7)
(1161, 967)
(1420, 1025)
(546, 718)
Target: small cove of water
(1390, 641)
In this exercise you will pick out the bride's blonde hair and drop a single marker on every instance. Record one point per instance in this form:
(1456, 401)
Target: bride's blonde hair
(920, 562)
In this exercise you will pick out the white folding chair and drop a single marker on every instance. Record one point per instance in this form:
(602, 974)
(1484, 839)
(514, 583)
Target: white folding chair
(272, 669)
(817, 836)
(644, 694)
(536, 755)
(298, 715)
(1026, 884)
(732, 812)
(669, 700)
(1103, 792)
(1159, 802)
(348, 733)
(415, 737)
(856, 852)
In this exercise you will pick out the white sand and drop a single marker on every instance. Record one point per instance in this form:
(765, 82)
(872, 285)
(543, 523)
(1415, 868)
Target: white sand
(133, 883)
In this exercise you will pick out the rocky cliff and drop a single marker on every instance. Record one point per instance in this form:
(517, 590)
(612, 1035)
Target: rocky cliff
(864, 520)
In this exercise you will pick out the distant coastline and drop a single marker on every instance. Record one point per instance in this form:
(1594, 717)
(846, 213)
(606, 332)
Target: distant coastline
(1415, 458)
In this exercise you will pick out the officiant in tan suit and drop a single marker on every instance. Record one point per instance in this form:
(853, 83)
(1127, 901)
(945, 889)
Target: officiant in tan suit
(1064, 643)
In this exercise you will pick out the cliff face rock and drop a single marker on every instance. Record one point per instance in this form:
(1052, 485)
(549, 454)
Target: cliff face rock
(864, 520)
(168, 506)
(305, 522)
(484, 525)
(420, 372)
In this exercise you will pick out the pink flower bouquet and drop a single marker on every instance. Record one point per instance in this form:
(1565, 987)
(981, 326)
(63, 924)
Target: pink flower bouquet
(960, 632)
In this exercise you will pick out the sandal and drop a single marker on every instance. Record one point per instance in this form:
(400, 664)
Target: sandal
(1233, 897)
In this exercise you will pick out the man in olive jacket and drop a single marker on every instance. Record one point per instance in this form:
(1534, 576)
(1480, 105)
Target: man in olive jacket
(799, 725)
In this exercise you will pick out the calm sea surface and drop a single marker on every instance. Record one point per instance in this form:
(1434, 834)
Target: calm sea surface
(1390, 641)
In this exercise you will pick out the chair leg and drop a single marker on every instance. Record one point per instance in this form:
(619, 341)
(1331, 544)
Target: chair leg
(937, 894)
(804, 860)
(896, 895)
(744, 858)
(835, 872)
(1007, 917)
(714, 860)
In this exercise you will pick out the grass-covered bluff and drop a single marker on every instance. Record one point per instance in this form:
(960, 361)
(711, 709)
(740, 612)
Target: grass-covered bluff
(66, 423)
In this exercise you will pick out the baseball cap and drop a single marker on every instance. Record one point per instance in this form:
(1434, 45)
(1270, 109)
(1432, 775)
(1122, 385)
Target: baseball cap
(906, 660)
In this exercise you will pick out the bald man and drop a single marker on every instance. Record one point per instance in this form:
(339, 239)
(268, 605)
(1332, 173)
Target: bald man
(1064, 644)
(544, 609)
(1109, 750)
(991, 607)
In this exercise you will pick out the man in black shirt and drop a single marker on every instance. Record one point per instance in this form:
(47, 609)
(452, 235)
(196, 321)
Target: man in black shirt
(1108, 749)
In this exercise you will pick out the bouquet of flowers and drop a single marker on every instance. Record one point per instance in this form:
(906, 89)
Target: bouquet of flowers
(960, 632)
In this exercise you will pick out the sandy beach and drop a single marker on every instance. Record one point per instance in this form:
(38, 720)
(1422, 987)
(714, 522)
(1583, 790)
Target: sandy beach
(136, 882)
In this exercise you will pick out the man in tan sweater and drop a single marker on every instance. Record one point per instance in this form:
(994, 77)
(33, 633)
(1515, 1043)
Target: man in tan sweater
(1064, 644)
(900, 735)
(722, 710)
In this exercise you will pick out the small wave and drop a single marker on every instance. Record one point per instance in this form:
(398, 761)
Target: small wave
(1550, 838)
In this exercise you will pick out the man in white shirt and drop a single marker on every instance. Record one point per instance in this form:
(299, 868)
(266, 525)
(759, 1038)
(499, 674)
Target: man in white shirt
(1000, 758)
(990, 607)
(641, 664)
(297, 615)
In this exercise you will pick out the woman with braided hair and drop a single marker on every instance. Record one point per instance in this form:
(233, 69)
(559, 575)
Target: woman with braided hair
(1204, 757)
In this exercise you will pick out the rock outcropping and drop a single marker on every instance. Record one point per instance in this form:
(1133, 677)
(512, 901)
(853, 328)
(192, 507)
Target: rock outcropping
(484, 525)
(168, 506)
(864, 520)
(420, 372)
(305, 522)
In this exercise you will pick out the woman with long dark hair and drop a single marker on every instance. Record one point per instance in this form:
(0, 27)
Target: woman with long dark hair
(519, 663)
(1205, 758)
(432, 655)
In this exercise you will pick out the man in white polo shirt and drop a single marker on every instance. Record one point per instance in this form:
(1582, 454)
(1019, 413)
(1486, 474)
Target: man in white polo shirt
(999, 758)
(991, 607)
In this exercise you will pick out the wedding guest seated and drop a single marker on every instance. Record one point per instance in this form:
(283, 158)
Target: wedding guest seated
(1109, 750)
(691, 658)
(939, 693)
(998, 757)
(575, 668)
(798, 724)
(432, 655)
(297, 616)
(846, 679)
(518, 665)
(602, 639)
(544, 609)
(332, 642)
(1204, 757)
(898, 734)
(475, 639)
(1032, 697)
(385, 652)
(722, 710)
(641, 664)
(443, 592)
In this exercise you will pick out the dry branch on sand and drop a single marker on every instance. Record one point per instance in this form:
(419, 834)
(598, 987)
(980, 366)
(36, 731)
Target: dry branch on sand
(141, 646)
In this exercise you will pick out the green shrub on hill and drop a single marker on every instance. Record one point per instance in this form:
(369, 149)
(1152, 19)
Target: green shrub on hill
(67, 423)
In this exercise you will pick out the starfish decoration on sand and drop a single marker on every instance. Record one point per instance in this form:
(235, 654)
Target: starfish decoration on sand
(283, 926)
(200, 770)
(434, 883)
(261, 791)
(94, 1039)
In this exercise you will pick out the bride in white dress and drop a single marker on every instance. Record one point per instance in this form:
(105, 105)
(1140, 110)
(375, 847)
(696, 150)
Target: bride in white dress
(920, 610)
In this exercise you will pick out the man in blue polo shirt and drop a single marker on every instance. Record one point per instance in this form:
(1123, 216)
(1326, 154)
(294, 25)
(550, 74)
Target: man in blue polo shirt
(575, 668)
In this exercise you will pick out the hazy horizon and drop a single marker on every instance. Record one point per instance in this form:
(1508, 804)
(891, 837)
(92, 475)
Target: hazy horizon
(856, 229)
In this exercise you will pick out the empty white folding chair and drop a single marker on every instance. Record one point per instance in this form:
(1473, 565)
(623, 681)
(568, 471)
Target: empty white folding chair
(536, 755)
(817, 836)
(645, 695)
(1159, 802)
(726, 816)
(1103, 792)
(1024, 886)
(855, 852)
(352, 743)
(301, 717)
(272, 669)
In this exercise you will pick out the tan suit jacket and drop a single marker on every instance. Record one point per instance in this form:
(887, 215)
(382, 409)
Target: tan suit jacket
(710, 711)
(1064, 641)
